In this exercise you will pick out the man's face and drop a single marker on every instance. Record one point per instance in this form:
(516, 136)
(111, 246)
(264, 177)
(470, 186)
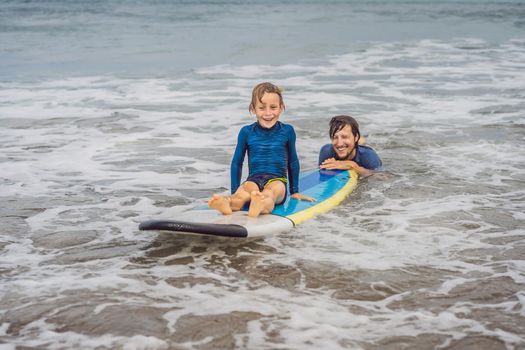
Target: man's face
(344, 143)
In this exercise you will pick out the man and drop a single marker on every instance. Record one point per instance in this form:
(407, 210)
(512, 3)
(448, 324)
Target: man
(346, 151)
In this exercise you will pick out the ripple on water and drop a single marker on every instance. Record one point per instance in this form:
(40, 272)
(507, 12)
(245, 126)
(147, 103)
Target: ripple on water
(63, 239)
(94, 252)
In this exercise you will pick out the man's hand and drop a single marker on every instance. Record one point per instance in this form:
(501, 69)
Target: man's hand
(332, 163)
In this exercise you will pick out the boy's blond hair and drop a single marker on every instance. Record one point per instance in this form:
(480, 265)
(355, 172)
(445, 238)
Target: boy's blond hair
(259, 91)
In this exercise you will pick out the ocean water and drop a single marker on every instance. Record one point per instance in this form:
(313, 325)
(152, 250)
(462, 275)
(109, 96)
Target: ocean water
(114, 112)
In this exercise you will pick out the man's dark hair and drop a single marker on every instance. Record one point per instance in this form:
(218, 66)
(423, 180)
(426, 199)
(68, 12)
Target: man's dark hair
(340, 121)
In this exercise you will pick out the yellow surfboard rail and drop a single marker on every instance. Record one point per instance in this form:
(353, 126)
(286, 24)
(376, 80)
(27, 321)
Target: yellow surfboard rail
(327, 204)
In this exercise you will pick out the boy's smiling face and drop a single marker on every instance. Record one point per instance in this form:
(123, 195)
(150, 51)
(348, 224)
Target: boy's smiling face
(268, 110)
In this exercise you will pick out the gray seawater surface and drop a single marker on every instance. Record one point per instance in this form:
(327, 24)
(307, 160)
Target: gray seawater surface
(426, 256)
(64, 38)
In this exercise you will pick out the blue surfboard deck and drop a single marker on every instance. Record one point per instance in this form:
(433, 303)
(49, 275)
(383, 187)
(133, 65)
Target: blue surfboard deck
(328, 187)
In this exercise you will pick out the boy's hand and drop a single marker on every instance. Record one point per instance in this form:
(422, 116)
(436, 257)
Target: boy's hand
(301, 197)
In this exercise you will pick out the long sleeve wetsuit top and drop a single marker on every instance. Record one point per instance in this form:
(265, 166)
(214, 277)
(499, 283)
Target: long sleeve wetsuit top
(270, 151)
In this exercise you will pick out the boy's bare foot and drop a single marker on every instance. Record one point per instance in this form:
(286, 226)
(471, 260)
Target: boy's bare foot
(221, 204)
(256, 204)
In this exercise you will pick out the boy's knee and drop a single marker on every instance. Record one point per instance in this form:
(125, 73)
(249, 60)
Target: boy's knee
(249, 187)
(243, 195)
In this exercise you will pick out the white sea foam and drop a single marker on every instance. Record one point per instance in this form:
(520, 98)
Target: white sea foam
(95, 156)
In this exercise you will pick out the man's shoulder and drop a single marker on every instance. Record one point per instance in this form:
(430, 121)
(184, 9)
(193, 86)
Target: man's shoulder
(368, 157)
(365, 148)
(326, 148)
(326, 151)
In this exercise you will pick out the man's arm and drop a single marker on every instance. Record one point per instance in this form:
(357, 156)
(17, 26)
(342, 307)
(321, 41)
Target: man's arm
(332, 163)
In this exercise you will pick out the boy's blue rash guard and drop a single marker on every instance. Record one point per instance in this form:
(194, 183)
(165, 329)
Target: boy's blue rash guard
(270, 151)
(365, 156)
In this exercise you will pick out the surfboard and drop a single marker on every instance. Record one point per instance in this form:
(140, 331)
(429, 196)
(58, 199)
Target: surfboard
(328, 187)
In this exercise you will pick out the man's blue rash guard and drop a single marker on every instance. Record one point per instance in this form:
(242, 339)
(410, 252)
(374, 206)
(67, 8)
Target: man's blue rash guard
(270, 151)
(365, 156)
